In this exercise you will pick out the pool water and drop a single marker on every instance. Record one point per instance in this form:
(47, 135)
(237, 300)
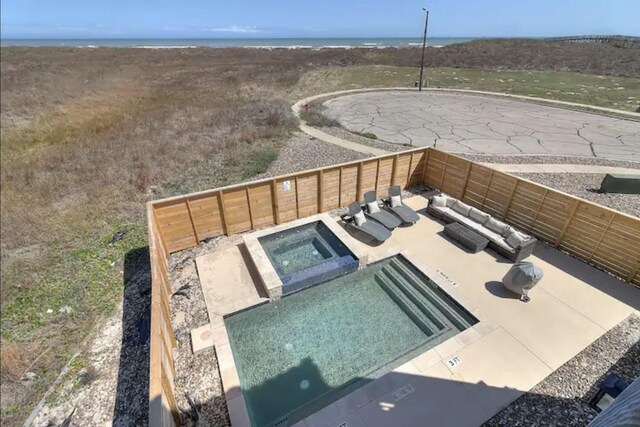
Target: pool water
(307, 255)
(299, 354)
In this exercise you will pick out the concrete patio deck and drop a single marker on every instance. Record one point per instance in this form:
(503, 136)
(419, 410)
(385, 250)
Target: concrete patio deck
(467, 379)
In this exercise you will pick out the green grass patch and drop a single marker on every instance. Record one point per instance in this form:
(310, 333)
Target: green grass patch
(86, 284)
(622, 93)
(369, 135)
(260, 162)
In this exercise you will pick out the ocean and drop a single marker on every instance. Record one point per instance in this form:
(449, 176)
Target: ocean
(290, 43)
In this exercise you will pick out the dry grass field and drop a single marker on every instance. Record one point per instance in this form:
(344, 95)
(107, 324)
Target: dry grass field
(90, 135)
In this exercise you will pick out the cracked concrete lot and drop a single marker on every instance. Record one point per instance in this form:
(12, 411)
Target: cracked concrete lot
(479, 124)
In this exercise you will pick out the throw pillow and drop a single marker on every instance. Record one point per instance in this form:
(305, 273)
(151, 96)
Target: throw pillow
(396, 201)
(508, 229)
(439, 201)
(478, 216)
(496, 226)
(450, 201)
(461, 208)
(360, 219)
(515, 239)
(373, 207)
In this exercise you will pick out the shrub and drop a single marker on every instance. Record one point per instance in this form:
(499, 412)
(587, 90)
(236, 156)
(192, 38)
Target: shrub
(317, 118)
(369, 135)
(260, 162)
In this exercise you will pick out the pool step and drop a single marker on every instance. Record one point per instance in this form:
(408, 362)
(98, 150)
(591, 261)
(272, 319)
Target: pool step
(436, 301)
(406, 304)
(417, 298)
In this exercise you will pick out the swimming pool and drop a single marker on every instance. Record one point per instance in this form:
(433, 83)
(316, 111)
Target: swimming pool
(298, 354)
(306, 255)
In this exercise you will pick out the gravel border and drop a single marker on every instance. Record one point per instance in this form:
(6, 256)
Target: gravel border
(343, 133)
(585, 186)
(197, 375)
(304, 152)
(562, 398)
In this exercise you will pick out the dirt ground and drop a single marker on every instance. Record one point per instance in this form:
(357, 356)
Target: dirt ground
(90, 135)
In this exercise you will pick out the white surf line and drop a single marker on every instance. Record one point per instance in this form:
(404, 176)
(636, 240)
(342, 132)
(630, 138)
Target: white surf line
(559, 168)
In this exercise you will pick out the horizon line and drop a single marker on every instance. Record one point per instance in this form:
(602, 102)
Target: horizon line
(300, 38)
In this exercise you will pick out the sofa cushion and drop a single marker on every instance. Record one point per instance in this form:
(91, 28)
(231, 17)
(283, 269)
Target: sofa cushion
(439, 201)
(450, 201)
(461, 208)
(515, 239)
(478, 216)
(396, 201)
(373, 207)
(496, 226)
(360, 218)
(508, 229)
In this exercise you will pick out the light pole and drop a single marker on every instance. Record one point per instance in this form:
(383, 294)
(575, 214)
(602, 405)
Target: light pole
(424, 46)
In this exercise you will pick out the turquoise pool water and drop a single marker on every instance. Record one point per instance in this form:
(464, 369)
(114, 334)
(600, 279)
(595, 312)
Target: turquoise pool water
(296, 355)
(307, 255)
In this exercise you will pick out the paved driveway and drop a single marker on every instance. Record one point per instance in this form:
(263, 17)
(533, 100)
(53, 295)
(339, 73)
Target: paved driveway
(472, 123)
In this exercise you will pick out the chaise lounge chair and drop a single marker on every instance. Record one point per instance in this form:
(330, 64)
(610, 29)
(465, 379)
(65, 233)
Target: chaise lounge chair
(373, 211)
(371, 228)
(404, 212)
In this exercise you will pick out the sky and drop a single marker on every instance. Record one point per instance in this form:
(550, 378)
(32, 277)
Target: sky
(319, 19)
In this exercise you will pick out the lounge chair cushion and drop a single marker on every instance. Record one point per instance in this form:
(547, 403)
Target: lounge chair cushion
(360, 218)
(373, 207)
(496, 226)
(396, 201)
(515, 239)
(462, 208)
(478, 216)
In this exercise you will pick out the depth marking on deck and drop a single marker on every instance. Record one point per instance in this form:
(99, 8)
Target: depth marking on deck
(454, 361)
(449, 279)
(404, 391)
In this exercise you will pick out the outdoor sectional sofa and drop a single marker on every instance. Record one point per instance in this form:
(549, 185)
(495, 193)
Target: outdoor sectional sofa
(504, 239)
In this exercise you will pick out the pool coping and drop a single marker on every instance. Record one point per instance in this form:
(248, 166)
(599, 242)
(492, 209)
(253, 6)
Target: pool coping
(362, 396)
(268, 275)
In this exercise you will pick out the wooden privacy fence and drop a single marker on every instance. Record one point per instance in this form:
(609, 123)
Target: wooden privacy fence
(603, 237)
(163, 410)
(184, 221)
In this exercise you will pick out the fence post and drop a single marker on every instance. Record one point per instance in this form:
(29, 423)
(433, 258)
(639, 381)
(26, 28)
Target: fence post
(358, 183)
(566, 224)
(248, 194)
(223, 212)
(193, 225)
(320, 191)
(425, 165)
(276, 212)
(466, 180)
(444, 170)
(604, 232)
(486, 190)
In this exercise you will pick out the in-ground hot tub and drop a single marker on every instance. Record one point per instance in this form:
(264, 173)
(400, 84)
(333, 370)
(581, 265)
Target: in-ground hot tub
(300, 254)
